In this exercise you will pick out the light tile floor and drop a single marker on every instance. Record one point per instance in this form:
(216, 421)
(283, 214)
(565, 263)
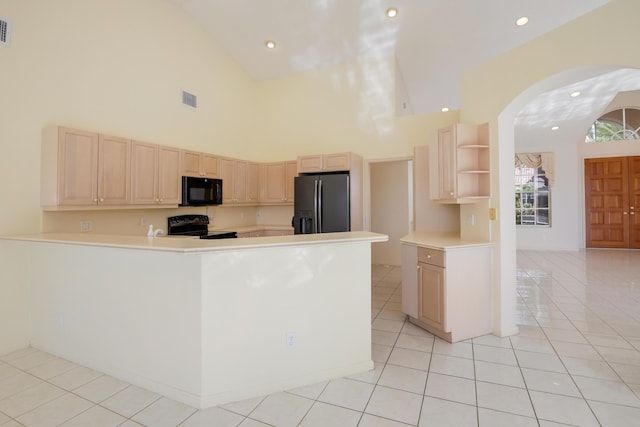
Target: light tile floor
(575, 362)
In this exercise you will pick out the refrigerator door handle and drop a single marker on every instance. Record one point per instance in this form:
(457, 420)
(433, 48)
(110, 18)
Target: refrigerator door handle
(320, 226)
(315, 206)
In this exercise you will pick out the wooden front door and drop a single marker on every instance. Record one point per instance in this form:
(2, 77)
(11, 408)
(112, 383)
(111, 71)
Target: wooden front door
(612, 194)
(634, 201)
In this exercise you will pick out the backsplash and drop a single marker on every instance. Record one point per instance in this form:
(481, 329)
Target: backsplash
(136, 221)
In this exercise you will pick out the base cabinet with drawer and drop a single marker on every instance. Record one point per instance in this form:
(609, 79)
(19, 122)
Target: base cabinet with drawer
(447, 291)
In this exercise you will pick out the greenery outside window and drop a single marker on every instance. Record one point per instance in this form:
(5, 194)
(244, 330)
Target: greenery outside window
(532, 196)
(617, 125)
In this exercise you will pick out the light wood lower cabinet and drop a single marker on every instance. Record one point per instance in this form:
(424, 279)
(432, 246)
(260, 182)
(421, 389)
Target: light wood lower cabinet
(431, 295)
(448, 292)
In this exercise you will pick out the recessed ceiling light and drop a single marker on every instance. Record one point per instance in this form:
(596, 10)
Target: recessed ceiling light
(270, 44)
(392, 12)
(444, 109)
(523, 20)
(574, 94)
(555, 128)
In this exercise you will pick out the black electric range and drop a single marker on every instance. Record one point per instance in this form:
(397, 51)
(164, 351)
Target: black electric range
(195, 226)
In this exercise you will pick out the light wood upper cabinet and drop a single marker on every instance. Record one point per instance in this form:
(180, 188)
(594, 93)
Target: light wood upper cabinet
(144, 173)
(169, 187)
(460, 164)
(253, 183)
(84, 168)
(290, 173)
(200, 164)
(69, 167)
(324, 163)
(226, 174)
(240, 181)
(155, 174)
(277, 181)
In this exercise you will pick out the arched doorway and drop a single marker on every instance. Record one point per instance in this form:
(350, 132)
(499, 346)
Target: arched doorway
(508, 129)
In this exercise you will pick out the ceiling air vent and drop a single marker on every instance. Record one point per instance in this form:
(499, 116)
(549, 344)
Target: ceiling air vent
(189, 99)
(4, 32)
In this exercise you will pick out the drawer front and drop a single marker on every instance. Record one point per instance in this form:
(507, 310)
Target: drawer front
(431, 256)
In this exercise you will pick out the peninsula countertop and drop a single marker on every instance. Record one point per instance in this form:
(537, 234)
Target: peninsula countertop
(443, 241)
(189, 245)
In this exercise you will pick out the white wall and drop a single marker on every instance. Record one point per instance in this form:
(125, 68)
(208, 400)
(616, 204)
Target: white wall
(568, 229)
(566, 209)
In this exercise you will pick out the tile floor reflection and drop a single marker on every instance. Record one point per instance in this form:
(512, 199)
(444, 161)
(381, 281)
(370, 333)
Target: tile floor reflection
(575, 362)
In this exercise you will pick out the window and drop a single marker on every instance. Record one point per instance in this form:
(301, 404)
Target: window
(532, 196)
(617, 125)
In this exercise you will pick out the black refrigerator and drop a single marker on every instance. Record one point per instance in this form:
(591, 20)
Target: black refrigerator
(321, 203)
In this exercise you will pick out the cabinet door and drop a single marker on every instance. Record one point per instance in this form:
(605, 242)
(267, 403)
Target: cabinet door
(273, 183)
(291, 171)
(77, 167)
(190, 163)
(336, 162)
(410, 276)
(239, 181)
(169, 190)
(114, 176)
(226, 174)
(253, 193)
(144, 173)
(209, 165)
(431, 295)
(447, 162)
(310, 163)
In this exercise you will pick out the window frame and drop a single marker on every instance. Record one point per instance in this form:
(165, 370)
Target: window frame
(535, 195)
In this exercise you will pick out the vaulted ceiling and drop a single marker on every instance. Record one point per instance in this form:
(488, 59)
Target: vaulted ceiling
(434, 42)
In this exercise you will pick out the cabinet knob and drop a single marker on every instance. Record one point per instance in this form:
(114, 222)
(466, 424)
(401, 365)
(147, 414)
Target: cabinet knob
(428, 256)
(162, 200)
(157, 200)
(101, 200)
(624, 213)
(633, 213)
(417, 267)
(95, 200)
(451, 193)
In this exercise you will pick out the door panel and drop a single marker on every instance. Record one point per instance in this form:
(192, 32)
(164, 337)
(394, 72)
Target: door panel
(634, 202)
(607, 202)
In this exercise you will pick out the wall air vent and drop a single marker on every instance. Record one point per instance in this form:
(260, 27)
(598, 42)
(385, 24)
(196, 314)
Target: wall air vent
(5, 27)
(189, 99)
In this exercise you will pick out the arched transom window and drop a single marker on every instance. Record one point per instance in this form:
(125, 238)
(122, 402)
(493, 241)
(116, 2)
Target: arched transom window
(618, 125)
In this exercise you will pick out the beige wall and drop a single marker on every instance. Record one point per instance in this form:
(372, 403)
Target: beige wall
(115, 67)
(389, 208)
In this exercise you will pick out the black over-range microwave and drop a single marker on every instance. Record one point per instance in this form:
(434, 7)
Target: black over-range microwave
(201, 191)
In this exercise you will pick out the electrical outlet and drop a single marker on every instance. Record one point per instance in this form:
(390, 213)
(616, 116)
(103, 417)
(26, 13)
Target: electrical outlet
(86, 226)
(143, 220)
(492, 214)
(292, 340)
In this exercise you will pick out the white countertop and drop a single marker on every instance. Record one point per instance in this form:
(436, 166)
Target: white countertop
(442, 241)
(189, 245)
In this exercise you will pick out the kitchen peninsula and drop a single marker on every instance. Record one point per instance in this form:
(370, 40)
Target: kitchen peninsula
(201, 321)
